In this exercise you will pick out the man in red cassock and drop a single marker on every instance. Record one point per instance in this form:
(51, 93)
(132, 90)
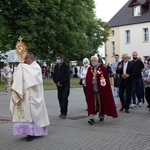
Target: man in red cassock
(99, 93)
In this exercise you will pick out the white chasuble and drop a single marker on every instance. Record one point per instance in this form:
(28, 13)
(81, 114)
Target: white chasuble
(27, 102)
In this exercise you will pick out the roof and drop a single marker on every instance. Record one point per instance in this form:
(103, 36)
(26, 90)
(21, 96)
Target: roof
(125, 17)
(136, 2)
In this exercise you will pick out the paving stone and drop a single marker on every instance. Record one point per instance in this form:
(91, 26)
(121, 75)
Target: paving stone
(127, 132)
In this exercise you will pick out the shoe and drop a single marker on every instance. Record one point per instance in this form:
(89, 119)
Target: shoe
(127, 111)
(140, 104)
(132, 105)
(101, 119)
(91, 121)
(121, 109)
(135, 105)
(62, 116)
(29, 138)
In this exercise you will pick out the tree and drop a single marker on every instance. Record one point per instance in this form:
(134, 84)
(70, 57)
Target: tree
(48, 27)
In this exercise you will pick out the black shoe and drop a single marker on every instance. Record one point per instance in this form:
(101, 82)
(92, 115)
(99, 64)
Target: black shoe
(127, 111)
(91, 121)
(101, 119)
(121, 109)
(29, 138)
(62, 116)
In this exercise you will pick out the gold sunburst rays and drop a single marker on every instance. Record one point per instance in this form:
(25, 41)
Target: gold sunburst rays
(21, 49)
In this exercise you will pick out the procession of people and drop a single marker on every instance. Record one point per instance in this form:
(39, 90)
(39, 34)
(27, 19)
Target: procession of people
(27, 104)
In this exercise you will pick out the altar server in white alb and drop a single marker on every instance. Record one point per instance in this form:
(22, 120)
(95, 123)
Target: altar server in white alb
(27, 104)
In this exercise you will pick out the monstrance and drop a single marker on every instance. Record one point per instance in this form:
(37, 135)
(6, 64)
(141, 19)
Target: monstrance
(21, 49)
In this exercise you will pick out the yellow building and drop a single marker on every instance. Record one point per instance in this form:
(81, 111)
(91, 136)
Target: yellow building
(130, 29)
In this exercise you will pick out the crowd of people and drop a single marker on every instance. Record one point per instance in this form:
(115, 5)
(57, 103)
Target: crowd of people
(130, 84)
(131, 81)
(47, 71)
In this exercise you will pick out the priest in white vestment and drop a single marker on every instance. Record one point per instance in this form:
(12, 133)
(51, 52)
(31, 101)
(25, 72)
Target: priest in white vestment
(27, 104)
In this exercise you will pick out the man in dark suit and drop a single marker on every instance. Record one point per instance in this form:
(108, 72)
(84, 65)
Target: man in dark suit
(125, 70)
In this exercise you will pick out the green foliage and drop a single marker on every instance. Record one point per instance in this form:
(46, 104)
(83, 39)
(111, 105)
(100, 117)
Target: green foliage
(100, 59)
(49, 27)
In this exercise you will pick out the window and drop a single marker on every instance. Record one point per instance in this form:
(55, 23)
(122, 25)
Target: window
(137, 10)
(145, 35)
(112, 33)
(113, 48)
(128, 38)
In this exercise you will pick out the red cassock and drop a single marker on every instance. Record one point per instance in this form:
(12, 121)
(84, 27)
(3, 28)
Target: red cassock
(105, 92)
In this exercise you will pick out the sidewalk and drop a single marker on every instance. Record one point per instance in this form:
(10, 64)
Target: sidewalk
(127, 132)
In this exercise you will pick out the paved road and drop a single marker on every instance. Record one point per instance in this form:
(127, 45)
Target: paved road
(127, 132)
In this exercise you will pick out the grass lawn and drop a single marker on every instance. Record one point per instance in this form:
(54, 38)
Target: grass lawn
(49, 84)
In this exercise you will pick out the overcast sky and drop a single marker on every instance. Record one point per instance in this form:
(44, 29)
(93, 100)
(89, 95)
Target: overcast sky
(106, 9)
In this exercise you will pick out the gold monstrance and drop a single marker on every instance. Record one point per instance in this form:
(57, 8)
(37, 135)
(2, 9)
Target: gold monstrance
(21, 49)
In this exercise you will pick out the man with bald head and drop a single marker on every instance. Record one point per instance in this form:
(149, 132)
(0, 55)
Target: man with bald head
(137, 86)
(125, 70)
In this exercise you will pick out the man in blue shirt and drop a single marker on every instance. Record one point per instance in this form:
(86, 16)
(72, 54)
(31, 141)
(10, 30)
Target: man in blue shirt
(115, 79)
(115, 63)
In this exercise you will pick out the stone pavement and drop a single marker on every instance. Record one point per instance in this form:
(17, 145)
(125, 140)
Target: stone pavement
(127, 132)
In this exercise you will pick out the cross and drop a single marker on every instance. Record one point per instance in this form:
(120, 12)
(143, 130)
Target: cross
(20, 38)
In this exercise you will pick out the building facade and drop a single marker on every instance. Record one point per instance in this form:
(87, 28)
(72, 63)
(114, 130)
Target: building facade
(130, 29)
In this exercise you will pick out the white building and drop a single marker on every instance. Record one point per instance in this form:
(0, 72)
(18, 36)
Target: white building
(130, 29)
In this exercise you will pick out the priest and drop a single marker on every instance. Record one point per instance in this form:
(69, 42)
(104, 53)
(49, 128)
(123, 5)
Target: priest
(99, 93)
(27, 104)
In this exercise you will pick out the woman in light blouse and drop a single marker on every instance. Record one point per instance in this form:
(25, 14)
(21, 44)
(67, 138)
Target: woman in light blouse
(83, 72)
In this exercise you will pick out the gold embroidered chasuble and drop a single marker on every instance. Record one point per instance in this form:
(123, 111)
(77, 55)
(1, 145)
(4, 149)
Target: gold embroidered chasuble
(27, 102)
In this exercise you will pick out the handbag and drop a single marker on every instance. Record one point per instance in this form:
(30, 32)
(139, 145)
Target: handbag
(80, 82)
